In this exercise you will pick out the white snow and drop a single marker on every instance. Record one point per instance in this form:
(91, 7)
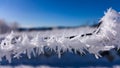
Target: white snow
(44, 66)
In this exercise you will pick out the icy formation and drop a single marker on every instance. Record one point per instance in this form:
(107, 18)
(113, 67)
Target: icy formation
(105, 37)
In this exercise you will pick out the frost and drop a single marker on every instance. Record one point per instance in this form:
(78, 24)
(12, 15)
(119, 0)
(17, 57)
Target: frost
(104, 38)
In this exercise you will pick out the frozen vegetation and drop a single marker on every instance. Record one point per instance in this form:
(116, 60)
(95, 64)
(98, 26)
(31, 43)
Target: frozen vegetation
(83, 40)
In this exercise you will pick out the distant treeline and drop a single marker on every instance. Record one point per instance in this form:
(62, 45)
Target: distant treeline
(50, 28)
(5, 27)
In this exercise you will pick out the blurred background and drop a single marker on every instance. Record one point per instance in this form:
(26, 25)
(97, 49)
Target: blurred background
(36, 14)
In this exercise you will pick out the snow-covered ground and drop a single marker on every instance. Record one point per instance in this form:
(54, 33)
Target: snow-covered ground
(65, 47)
(43, 66)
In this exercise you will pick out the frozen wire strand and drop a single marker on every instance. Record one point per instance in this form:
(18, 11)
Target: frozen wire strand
(24, 44)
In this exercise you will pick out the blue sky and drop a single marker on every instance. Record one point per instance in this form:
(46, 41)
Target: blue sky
(34, 13)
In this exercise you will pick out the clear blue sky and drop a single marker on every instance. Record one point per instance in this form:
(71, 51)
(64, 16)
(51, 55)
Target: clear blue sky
(55, 12)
